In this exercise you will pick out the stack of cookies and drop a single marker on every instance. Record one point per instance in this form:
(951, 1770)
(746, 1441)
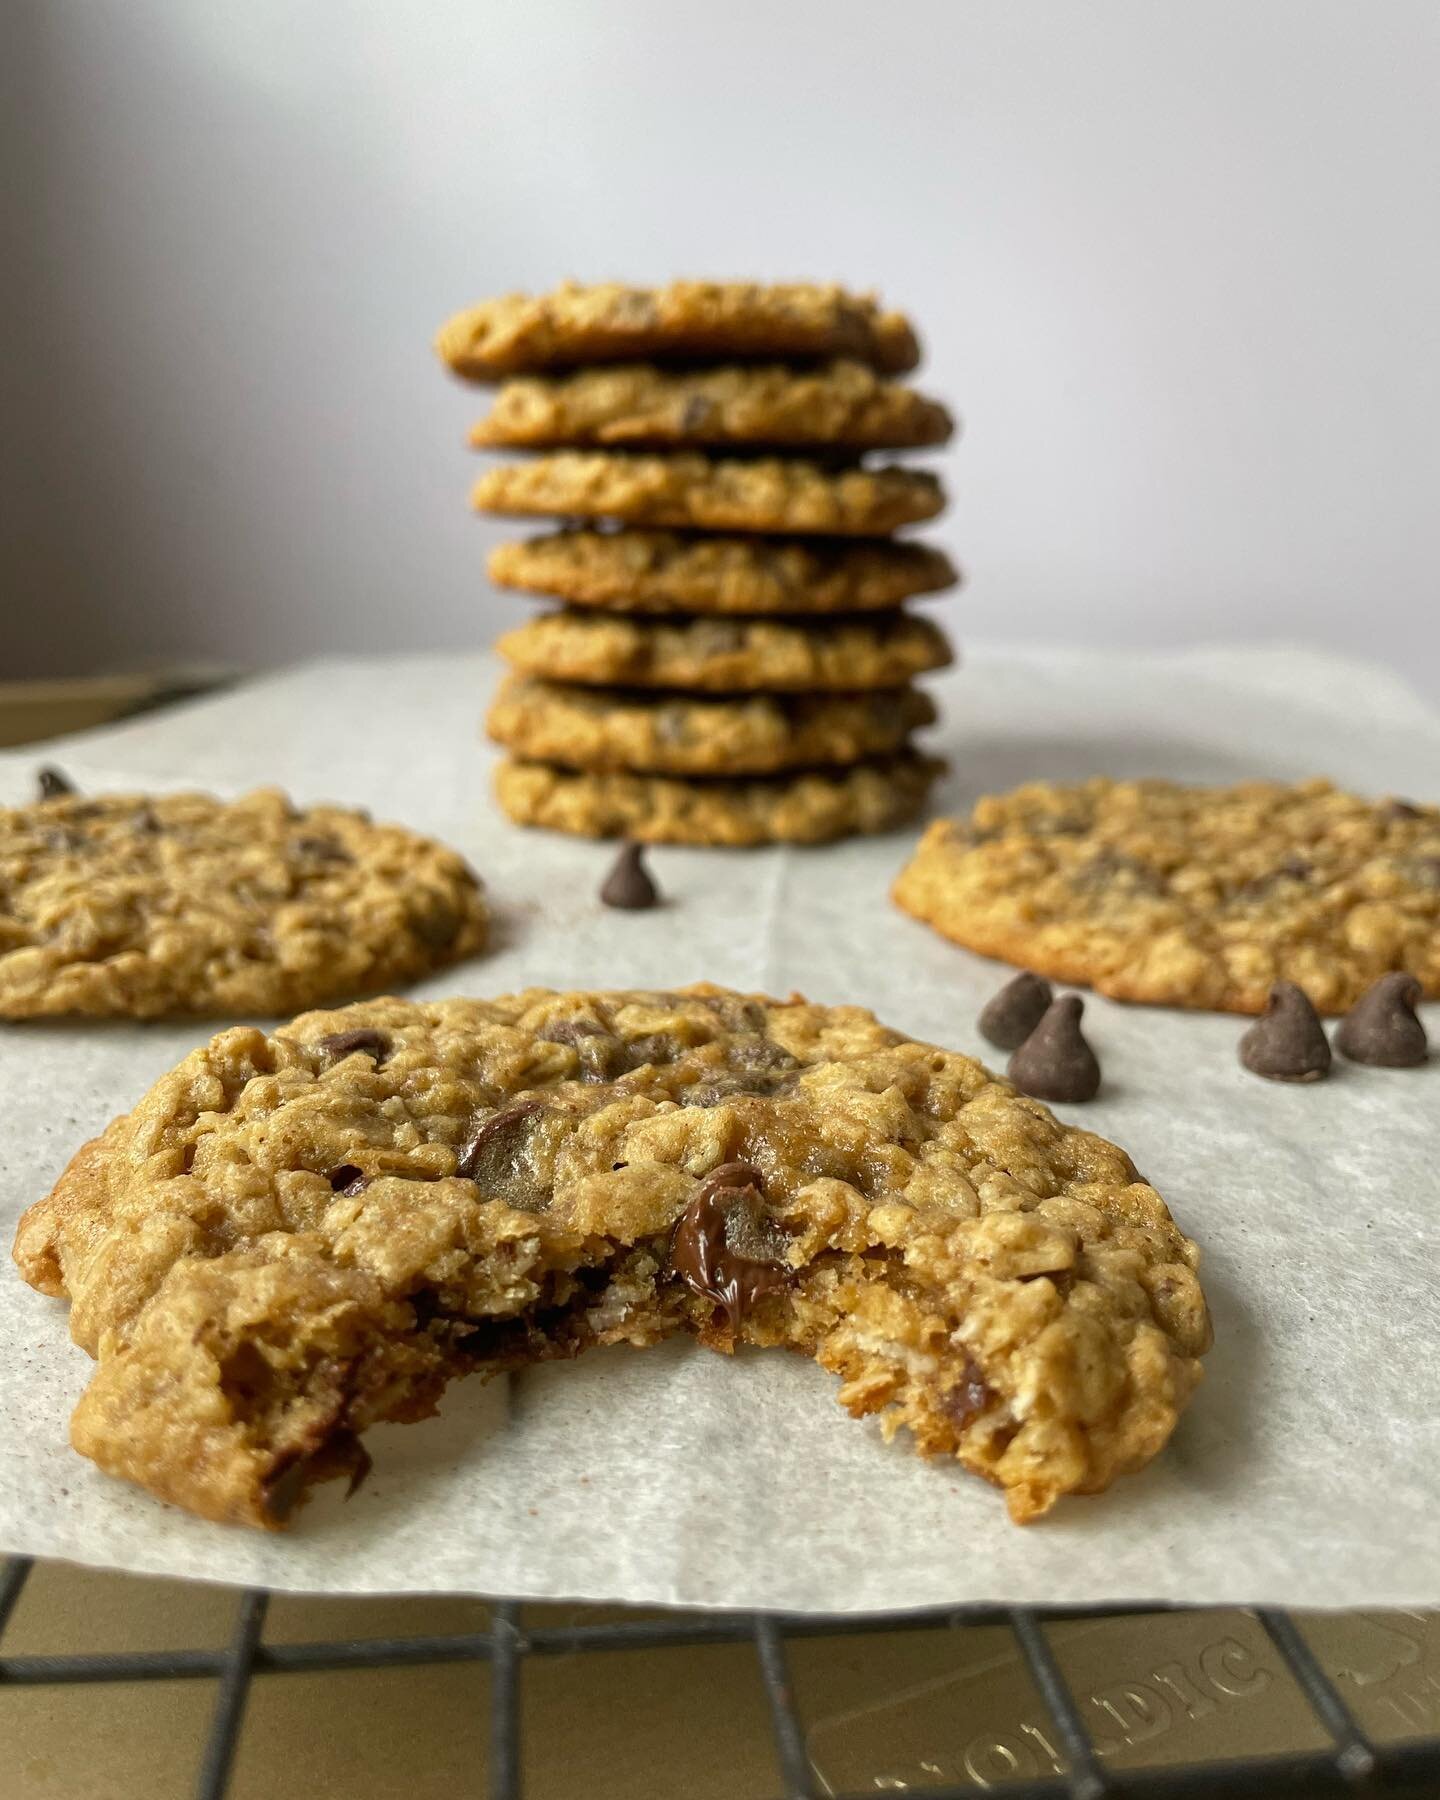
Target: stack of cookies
(732, 663)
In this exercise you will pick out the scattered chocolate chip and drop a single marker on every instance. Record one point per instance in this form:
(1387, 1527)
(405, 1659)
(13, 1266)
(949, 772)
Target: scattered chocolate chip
(1400, 809)
(1381, 1027)
(1011, 1015)
(1287, 1042)
(347, 1179)
(492, 1157)
(52, 783)
(570, 1031)
(628, 885)
(723, 1248)
(341, 1044)
(1055, 1062)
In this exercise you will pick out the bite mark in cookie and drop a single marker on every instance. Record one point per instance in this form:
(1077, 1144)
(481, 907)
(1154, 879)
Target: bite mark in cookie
(278, 1249)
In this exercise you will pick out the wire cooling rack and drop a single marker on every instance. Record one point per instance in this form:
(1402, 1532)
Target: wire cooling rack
(1352, 1765)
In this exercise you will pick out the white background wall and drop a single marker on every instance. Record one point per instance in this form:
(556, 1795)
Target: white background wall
(1177, 264)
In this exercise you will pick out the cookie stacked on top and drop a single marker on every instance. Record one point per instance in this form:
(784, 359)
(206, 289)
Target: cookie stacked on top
(732, 663)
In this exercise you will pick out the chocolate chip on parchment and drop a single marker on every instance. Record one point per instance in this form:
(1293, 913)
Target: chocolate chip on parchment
(628, 885)
(1011, 1015)
(52, 783)
(1381, 1027)
(1287, 1042)
(723, 1248)
(341, 1044)
(1055, 1062)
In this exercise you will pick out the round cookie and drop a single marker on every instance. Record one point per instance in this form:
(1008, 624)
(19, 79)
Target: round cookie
(718, 655)
(803, 808)
(664, 572)
(709, 493)
(398, 1194)
(686, 734)
(686, 320)
(1190, 896)
(141, 907)
(839, 404)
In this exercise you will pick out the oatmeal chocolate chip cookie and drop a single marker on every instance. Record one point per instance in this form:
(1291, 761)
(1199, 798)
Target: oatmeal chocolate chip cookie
(684, 320)
(795, 808)
(840, 404)
(181, 903)
(297, 1236)
(664, 572)
(1190, 896)
(687, 734)
(726, 655)
(711, 493)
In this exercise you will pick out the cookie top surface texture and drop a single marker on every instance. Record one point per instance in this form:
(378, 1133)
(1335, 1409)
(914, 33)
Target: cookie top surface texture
(726, 655)
(139, 907)
(1190, 896)
(842, 404)
(635, 570)
(576, 324)
(711, 493)
(295, 1236)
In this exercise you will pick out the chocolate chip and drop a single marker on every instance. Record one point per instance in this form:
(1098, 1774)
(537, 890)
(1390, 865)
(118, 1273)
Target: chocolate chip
(628, 885)
(1400, 809)
(52, 783)
(347, 1179)
(723, 1248)
(322, 849)
(492, 1158)
(696, 412)
(341, 1044)
(1055, 1062)
(1011, 1015)
(1381, 1027)
(1287, 1042)
(968, 1398)
(342, 1453)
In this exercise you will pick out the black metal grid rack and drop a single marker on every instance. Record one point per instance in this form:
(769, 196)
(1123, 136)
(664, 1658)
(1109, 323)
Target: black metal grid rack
(1353, 1764)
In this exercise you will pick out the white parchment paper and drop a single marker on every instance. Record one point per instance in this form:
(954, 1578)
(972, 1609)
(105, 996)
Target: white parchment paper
(1305, 1472)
